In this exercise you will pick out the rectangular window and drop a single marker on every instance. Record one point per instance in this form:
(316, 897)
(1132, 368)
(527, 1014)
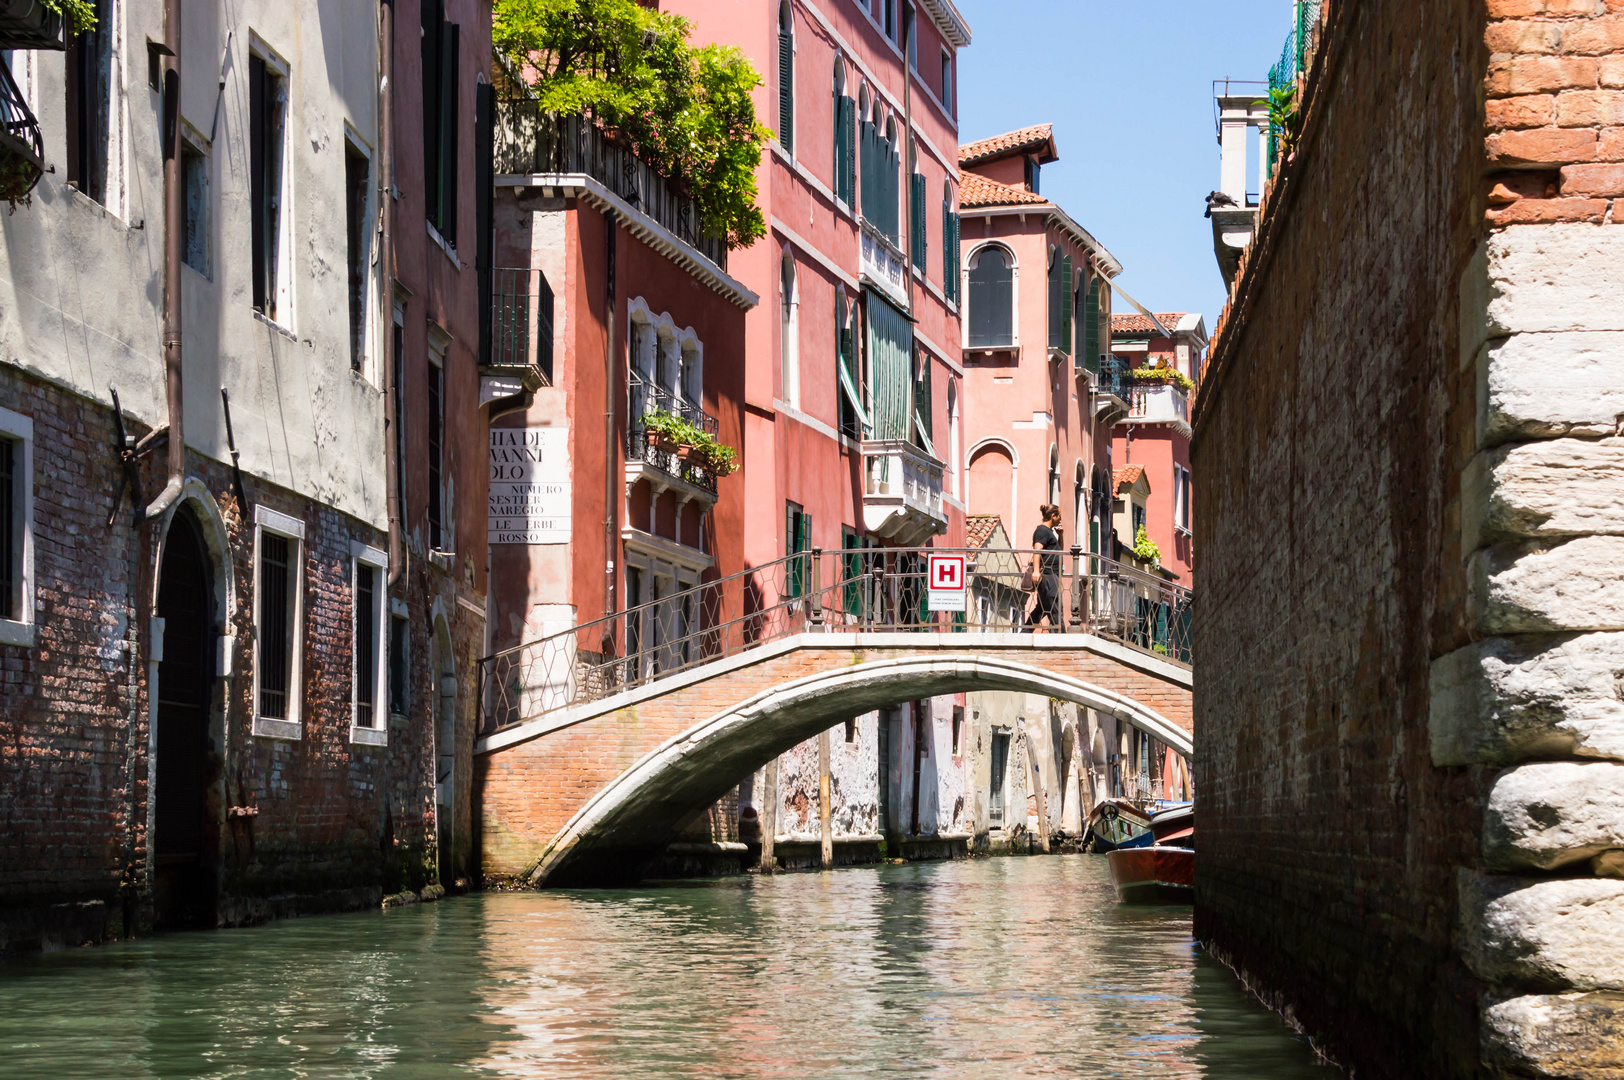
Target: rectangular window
(194, 180)
(958, 730)
(890, 13)
(441, 118)
(267, 123)
(436, 430)
(797, 538)
(88, 71)
(279, 548)
(16, 529)
(851, 730)
(369, 604)
(947, 81)
(357, 174)
(400, 672)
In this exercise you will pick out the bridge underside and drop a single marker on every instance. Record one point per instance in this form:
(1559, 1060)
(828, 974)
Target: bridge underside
(595, 799)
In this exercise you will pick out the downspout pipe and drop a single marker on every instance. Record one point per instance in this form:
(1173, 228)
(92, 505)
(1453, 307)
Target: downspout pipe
(386, 288)
(172, 258)
(610, 486)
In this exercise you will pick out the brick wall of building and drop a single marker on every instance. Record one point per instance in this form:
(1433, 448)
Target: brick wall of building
(1330, 433)
(334, 824)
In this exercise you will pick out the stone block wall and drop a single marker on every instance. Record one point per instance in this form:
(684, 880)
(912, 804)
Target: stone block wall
(1408, 707)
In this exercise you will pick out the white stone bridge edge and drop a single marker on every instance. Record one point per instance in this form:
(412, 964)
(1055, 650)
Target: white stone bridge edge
(570, 715)
(602, 808)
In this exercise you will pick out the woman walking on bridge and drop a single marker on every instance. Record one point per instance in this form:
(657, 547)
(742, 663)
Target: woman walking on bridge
(1045, 569)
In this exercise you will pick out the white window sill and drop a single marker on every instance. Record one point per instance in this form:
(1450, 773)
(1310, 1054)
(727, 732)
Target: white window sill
(1180, 530)
(267, 728)
(366, 736)
(16, 633)
(274, 325)
(450, 252)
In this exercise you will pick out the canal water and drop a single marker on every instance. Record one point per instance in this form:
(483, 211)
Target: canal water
(988, 968)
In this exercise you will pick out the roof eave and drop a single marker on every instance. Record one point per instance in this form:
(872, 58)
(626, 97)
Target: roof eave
(1108, 263)
(948, 21)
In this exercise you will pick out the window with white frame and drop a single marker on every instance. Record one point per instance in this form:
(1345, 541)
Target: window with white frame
(992, 299)
(16, 529)
(268, 182)
(278, 622)
(357, 243)
(789, 329)
(947, 82)
(369, 575)
(1181, 497)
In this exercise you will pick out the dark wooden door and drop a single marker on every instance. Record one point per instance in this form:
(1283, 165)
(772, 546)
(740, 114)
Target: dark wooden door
(185, 678)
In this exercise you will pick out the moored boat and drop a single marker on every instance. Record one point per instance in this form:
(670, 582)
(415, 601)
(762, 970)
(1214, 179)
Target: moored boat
(1153, 875)
(1118, 823)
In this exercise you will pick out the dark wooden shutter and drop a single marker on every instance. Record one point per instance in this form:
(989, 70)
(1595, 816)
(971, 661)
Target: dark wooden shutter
(433, 16)
(1065, 303)
(484, 171)
(848, 107)
(1091, 326)
(786, 88)
(256, 176)
(450, 125)
(916, 212)
(544, 328)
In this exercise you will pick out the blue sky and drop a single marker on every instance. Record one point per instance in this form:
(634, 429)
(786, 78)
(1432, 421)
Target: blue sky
(1128, 88)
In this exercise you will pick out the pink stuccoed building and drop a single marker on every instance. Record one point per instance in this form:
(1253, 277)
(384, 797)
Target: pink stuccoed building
(1154, 436)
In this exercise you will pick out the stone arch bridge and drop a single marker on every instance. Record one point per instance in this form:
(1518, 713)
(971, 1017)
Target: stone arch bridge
(591, 792)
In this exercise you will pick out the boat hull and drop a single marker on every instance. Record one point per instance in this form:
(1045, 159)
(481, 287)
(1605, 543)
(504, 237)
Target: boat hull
(1118, 824)
(1153, 875)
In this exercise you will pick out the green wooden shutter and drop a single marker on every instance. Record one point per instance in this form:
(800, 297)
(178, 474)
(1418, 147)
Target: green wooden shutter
(846, 152)
(1091, 326)
(786, 89)
(1054, 301)
(1065, 304)
(916, 214)
(958, 297)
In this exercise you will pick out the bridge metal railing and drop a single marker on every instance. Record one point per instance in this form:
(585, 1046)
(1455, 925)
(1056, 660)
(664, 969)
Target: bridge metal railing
(854, 589)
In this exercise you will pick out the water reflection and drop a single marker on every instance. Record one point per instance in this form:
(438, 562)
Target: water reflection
(1002, 967)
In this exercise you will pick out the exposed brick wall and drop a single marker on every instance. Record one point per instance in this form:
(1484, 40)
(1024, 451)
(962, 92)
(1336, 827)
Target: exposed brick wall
(337, 824)
(1330, 434)
(529, 791)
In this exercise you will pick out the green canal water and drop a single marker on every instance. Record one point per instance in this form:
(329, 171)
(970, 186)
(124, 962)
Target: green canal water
(988, 968)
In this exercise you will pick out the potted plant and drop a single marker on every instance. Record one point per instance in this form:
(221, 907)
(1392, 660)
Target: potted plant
(721, 460)
(667, 431)
(38, 24)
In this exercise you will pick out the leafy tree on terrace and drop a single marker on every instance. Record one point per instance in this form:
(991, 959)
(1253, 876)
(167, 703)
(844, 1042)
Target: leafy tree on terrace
(686, 109)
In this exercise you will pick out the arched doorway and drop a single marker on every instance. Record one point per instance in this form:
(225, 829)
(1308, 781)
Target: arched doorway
(182, 842)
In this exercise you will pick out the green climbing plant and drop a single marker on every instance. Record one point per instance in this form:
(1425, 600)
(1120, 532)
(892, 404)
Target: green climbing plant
(79, 15)
(1145, 548)
(1285, 121)
(685, 109)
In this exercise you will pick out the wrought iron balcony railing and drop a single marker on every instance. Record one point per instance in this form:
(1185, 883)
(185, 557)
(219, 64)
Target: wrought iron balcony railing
(531, 141)
(521, 320)
(22, 149)
(851, 590)
(649, 397)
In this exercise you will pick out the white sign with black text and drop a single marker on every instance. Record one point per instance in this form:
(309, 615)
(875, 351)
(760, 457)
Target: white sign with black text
(530, 485)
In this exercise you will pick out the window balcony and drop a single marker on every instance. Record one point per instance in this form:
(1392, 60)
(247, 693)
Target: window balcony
(902, 492)
(529, 141)
(666, 469)
(883, 264)
(1158, 403)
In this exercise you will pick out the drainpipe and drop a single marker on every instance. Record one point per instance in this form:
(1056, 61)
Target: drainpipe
(172, 258)
(611, 223)
(386, 258)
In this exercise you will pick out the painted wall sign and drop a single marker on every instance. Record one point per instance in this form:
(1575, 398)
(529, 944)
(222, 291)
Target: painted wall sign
(530, 485)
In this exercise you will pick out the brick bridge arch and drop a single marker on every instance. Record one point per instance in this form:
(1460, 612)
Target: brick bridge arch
(592, 793)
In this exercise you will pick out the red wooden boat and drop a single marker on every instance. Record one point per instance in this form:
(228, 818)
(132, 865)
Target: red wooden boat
(1153, 875)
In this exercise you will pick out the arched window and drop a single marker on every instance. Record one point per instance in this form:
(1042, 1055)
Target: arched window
(916, 208)
(853, 417)
(787, 323)
(1054, 476)
(845, 159)
(1079, 501)
(786, 76)
(992, 299)
(953, 437)
(891, 191)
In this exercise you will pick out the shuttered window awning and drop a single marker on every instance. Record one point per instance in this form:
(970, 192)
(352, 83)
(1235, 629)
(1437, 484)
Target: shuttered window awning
(890, 347)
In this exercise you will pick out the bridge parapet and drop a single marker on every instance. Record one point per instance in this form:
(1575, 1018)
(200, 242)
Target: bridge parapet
(854, 590)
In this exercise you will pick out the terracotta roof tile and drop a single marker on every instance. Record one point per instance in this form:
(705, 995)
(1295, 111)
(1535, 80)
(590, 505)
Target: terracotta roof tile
(1135, 323)
(1126, 476)
(1008, 143)
(978, 528)
(977, 190)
